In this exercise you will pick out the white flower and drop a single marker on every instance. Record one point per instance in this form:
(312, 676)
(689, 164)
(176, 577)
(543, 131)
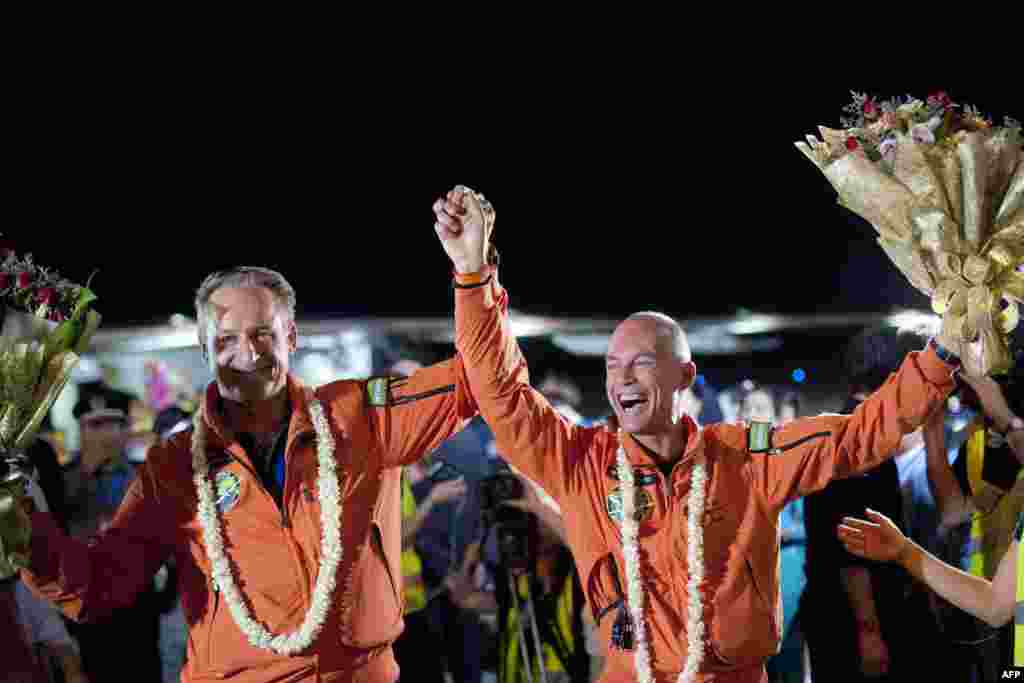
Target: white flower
(887, 148)
(331, 550)
(695, 560)
(925, 132)
(911, 106)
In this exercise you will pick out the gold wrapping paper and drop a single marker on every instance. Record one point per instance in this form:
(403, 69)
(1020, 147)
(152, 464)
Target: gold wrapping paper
(950, 215)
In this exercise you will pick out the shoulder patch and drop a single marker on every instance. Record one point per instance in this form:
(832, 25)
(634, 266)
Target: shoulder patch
(377, 391)
(759, 437)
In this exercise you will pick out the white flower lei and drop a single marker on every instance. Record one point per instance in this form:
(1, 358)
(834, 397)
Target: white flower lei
(695, 559)
(330, 519)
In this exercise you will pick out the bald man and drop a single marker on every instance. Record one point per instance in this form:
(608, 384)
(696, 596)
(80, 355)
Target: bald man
(700, 589)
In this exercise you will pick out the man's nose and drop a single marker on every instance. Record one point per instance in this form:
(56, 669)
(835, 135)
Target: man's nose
(250, 351)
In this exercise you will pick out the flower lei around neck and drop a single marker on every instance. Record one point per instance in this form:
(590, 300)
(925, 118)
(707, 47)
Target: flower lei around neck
(331, 550)
(695, 561)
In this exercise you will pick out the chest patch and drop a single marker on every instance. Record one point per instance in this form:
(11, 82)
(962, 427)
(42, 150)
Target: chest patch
(227, 491)
(644, 505)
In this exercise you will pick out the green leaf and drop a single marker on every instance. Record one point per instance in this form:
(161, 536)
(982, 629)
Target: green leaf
(85, 297)
(65, 337)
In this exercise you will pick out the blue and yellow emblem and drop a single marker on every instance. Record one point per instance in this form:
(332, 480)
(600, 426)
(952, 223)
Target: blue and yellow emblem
(227, 489)
(644, 505)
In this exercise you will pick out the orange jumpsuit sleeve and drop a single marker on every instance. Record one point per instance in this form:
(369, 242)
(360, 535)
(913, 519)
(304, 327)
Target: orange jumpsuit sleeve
(87, 581)
(412, 416)
(528, 431)
(805, 455)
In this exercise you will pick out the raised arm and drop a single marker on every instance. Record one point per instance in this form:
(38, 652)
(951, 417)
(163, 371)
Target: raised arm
(528, 431)
(412, 416)
(806, 454)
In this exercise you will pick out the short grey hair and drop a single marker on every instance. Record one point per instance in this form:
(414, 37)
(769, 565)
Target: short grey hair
(243, 276)
(668, 327)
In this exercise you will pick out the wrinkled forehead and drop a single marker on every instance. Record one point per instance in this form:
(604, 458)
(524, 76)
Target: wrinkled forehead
(236, 309)
(635, 337)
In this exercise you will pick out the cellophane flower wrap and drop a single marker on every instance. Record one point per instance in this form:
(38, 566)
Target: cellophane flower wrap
(944, 189)
(47, 322)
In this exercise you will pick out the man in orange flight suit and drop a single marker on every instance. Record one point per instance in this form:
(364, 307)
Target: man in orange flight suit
(262, 441)
(751, 472)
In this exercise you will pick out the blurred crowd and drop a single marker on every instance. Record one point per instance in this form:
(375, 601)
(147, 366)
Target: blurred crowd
(491, 592)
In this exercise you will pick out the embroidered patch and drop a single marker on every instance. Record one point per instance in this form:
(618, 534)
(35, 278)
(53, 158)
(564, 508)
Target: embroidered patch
(759, 437)
(640, 477)
(644, 505)
(377, 391)
(227, 490)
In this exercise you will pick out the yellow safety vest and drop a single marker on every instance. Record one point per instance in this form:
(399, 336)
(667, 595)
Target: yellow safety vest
(1018, 612)
(511, 664)
(412, 566)
(996, 513)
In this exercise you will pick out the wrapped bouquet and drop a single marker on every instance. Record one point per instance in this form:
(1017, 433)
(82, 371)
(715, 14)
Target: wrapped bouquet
(47, 322)
(944, 188)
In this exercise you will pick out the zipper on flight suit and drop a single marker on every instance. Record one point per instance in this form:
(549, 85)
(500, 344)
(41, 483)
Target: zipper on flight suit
(286, 524)
(799, 442)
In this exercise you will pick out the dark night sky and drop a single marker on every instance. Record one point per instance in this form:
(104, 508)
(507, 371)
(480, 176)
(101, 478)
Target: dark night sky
(685, 195)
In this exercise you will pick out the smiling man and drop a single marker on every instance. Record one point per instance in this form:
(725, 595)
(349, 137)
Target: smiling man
(281, 507)
(674, 528)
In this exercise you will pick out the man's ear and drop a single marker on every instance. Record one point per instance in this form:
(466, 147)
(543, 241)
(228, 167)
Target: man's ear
(689, 370)
(293, 337)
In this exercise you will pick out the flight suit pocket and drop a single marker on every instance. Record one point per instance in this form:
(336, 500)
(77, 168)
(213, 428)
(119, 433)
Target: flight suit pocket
(376, 615)
(604, 591)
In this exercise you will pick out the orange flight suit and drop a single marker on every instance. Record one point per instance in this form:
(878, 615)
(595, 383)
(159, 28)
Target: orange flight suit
(746, 492)
(379, 425)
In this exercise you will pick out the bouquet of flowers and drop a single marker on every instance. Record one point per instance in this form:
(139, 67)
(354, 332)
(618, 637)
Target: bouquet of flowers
(47, 322)
(944, 188)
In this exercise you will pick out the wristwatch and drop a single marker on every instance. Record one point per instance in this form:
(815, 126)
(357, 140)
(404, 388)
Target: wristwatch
(1016, 424)
(943, 353)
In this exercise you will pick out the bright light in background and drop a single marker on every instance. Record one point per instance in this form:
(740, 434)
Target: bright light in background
(799, 375)
(316, 369)
(755, 324)
(916, 320)
(353, 357)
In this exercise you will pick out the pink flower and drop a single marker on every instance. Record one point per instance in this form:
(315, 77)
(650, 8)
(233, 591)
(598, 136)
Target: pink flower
(922, 134)
(45, 295)
(56, 316)
(941, 99)
(925, 132)
(5, 280)
(870, 109)
(24, 280)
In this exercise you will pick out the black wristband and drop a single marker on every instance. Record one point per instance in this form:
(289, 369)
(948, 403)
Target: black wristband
(943, 353)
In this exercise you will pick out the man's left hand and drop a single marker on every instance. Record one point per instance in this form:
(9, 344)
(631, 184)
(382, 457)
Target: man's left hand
(464, 222)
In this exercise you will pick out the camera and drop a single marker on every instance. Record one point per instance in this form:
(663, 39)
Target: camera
(517, 539)
(497, 489)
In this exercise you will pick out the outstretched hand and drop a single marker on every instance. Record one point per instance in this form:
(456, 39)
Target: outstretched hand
(877, 538)
(464, 221)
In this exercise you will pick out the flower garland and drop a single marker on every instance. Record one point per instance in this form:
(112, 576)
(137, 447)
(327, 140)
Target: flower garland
(695, 559)
(330, 519)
